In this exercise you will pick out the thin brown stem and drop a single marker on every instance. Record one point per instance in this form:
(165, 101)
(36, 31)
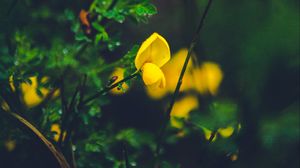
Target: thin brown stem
(58, 155)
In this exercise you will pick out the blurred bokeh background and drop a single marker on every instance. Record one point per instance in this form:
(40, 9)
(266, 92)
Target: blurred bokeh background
(254, 43)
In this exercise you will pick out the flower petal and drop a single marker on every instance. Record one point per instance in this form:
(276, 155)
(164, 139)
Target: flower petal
(172, 70)
(226, 132)
(185, 105)
(153, 76)
(154, 50)
(181, 110)
(208, 78)
(29, 92)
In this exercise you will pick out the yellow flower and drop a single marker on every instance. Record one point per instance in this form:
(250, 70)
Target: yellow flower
(181, 110)
(223, 132)
(226, 132)
(151, 56)
(118, 73)
(56, 129)
(173, 68)
(172, 71)
(207, 78)
(30, 97)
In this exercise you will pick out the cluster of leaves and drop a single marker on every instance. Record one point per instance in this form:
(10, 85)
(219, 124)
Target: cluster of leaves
(65, 61)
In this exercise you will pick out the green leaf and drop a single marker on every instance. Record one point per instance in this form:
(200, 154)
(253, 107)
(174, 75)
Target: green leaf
(115, 14)
(81, 37)
(95, 143)
(219, 115)
(145, 10)
(135, 138)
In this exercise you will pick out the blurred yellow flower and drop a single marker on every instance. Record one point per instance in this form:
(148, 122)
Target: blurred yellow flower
(181, 110)
(56, 129)
(151, 56)
(207, 78)
(118, 73)
(10, 145)
(226, 132)
(30, 97)
(223, 132)
(172, 71)
(204, 79)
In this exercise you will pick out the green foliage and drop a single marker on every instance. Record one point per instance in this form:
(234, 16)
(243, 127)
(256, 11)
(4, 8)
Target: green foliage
(220, 114)
(256, 44)
(135, 138)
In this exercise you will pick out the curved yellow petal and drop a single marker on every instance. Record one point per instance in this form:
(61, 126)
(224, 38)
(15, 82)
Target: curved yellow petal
(172, 71)
(119, 73)
(208, 78)
(56, 129)
(154, 50)
(226, 132)
(28, 86)
(153, 76)
(176, 123)
(156, 93)
(30, 96)
(182, 108)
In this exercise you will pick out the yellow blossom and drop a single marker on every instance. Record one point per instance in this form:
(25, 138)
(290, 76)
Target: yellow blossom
(30, 97)
(207, 78)
(151, 56)
(204, 79)
(172, 71)
(181, 110)
(226, 132)
(118, 73)
(56, 129)
(223, 132)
